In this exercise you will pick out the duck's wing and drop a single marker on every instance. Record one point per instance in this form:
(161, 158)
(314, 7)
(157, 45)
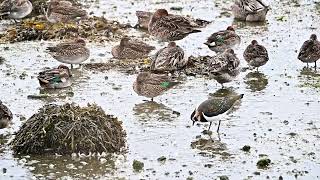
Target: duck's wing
(250, 5)
(69, 11)
(175, 56)
(53, 76)
(6, 6)
(218, 37)
(181, 21)
(162, 81)
(218, 63)
(5, 111)
(306, 46)
(139, 46)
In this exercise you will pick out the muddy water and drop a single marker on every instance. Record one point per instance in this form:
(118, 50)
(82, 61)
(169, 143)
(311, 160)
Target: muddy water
(278, 116)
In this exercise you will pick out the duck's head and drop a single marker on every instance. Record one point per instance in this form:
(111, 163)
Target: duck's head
(230, 28)
(81, 41)
(124, 41)
(254, 42)
(313, 37)
(229, 51)
(160, 13)
(172, 44)
(68, 71)
(142, 77)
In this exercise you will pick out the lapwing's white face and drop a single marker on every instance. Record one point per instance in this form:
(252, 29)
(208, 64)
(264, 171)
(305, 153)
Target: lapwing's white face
(195, 116)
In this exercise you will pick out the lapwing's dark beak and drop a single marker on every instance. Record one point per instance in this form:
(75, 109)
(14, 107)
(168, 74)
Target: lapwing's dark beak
(193, 123)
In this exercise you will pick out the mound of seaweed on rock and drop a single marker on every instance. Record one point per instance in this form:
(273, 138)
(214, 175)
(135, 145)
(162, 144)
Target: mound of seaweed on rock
(94, 28)
(69, 128)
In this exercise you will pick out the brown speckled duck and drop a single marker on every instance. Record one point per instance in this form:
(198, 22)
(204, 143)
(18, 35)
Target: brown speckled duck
(63, 12)
(73, 52)
(250, 10)
(222, 40)
(169, 58)
(212, 109)
(256, 55)
(310, 50)
(5, 115)
(152, 85)
(131, 49)
(169, 28)
(55, 78)
(224, 67)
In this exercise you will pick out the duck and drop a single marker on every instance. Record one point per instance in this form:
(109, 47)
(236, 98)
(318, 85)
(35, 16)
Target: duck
(224, 67)
(16, 9)
(63, 12)
(5, 115)
(55, 78)
(250, 10)
(310, 51)
(222, 40)
(169, 28)
(255, 54)
(145, 16)
(151, 85)
(131, 49)
(73, 52)
(169, 58)
(212, 109)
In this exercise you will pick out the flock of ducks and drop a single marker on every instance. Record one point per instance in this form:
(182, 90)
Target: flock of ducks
(224, 67)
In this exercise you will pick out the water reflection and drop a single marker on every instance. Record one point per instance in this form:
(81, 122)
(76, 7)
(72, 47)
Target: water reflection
(309, 78)
(153, 111)
(256, 81)
(223, 92)
(57, 167)
(208, 146)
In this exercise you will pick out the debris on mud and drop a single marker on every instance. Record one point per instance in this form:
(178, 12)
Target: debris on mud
(97, 29)
(69, 128)
(263, 163)
(137, 165)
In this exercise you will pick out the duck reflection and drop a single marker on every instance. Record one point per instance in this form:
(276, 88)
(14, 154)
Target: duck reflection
(309, 78)
(208, 146)
(151, 110)
(223, 92)
(256, 81)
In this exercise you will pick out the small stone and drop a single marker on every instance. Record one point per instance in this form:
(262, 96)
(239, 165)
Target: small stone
(246, 148)
(137, 165)
(162, 159)
(263, 163)
(223, 178)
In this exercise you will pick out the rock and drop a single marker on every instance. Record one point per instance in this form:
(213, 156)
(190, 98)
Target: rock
(246, 148)
(263, 163)
(162, 159)
(137, 165)
(223, 178)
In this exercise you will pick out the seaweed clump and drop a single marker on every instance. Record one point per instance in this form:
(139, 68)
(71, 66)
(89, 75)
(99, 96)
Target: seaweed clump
(69, 128)
(97, 29)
